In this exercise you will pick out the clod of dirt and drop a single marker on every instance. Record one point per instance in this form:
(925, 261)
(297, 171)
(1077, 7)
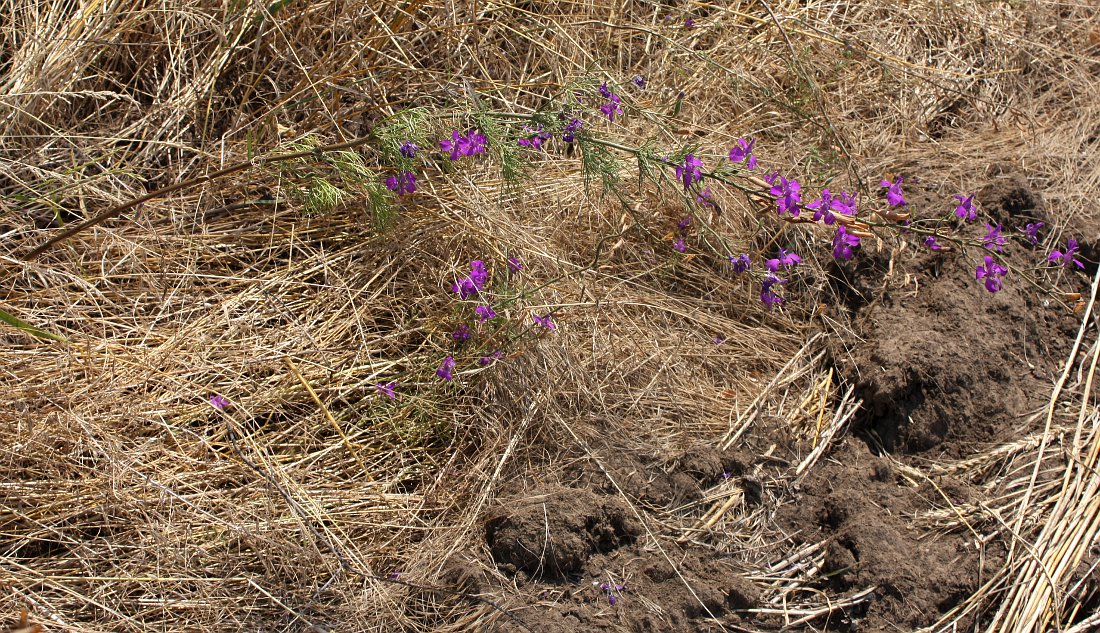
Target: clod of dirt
(552, 534)
(1010, 200)
(930, 370)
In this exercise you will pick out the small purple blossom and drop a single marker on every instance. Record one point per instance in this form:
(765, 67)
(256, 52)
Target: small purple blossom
(612, 107)
(638, 81)
(459, 145)
(1031, 232)
(495, 356)
(993, 240)
(544, 321)
(767, 295)
(786, 260)
(472, 283)
(931, 243)
(843, 243)
(965, 209)
(1062, 259)
(484, 313)
(679, 245)
(604, 91)
(788, 196)
(704, 197)
(894, 194)
(743, 151)
(741, 263)
(689, 23)
(218, 402)
(514, 264)
(408, 149)
(446, 368)
(844, 203)
(611, 590)
(387, 389)
(569, 134)
(992, 273)
(461, 333)
(403, 183)
(690, 172)
(684, 223)
(536, 136)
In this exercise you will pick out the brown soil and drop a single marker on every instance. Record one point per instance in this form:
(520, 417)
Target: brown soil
(944, 368)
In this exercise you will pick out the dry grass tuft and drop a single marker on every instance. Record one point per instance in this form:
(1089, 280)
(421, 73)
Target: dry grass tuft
(129, 503)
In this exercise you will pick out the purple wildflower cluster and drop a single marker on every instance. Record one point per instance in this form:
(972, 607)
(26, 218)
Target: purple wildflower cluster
(613, 105)
(534, 137)
(612, 590)
(471, 143)
(741, 263)
(473, 283)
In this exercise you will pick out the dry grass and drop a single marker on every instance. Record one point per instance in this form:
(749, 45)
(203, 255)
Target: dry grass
(129, 503)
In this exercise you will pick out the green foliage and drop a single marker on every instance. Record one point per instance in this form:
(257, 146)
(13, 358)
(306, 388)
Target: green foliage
(28, 328)
(597, 161)
(503, 147)
(322, 196)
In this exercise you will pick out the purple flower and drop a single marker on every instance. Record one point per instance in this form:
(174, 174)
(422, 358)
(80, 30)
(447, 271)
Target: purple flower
(639, 81)
(992, 273)
(1062, 259)
(788, 198)
(786, 259)
(823, 207)
(893, 195)
(767, 295)
(408, 149)
(387, 389)
(535, 139)
(446, 368)
(704, 197)
(472, 283)
(569, 134)
(684, 223)
(453, 145)
(612, 107)
(514, 264)
(843, 242)
(932, 244)
(741, 263)
(993, 239)
(690, 172)
(485, 360)
(461, 333)
(459, 145)
(679, 244)
(484, 313)
(604, 91)
(742, 151)
(1031, 232)
(218, 402)
(611, 590)
(966, 207)
(402, 183)
(689, 23)
(544, 321)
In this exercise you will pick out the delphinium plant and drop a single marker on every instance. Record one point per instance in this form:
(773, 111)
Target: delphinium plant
(492, 301)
